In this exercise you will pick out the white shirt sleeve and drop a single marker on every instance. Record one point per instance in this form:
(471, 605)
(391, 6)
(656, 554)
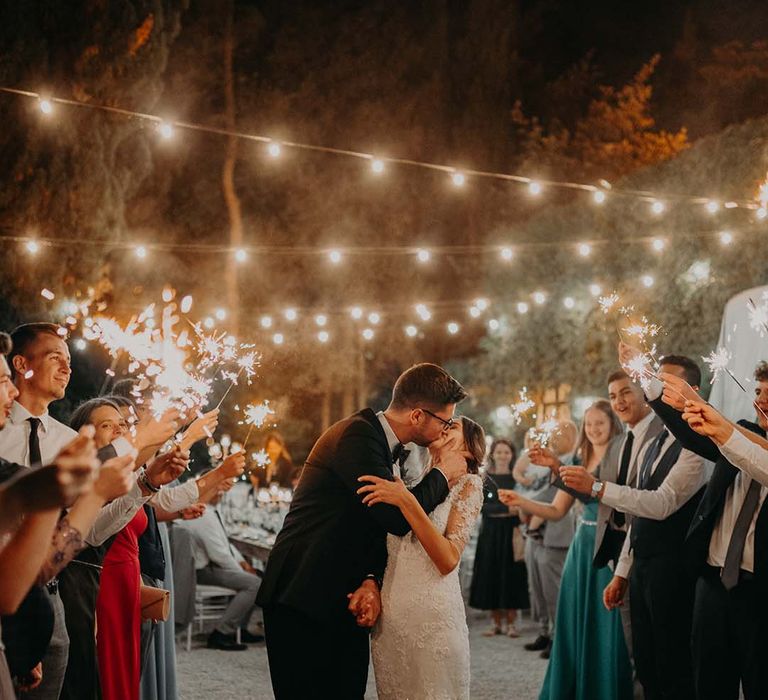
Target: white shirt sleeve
(626, 558)
(114, 516)
(752, 459)
(177, 498)
(684, 479)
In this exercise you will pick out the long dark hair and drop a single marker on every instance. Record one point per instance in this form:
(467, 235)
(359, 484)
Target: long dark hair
(494, 445)
(474, 438)
(82, 414)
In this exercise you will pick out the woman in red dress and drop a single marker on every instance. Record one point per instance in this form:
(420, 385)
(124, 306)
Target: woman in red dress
(118, 614)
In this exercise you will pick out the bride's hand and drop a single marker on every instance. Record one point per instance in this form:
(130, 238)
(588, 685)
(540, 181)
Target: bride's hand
(383, 491)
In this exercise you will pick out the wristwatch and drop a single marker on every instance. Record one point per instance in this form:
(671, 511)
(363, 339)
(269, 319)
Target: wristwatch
(143, 480)
(597, 487)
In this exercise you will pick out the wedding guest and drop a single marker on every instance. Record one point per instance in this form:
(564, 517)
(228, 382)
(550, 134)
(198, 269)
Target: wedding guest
(727, 550)
(499, 578)
(279, 469)
(219, 563)
(662, 502)
(547, 544)
(589, 658)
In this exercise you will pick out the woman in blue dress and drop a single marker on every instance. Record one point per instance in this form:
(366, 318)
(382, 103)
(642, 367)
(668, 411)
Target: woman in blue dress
(589, 659)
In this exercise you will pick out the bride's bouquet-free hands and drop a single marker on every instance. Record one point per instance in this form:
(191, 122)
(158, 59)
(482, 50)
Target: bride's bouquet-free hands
(384, 491)
(365, 603)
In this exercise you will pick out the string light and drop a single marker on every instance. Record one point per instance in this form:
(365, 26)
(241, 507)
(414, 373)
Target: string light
(221, 314)
(374, 318)
(323, 336)
(368, 334)
(33, 247)
(424, 313)
(584, 249)
(47, 294)
(474, 312)
(274, 150)
(411, 331)
(712, 206)
(186, 304)
(80, 344)
(241, 255)
(377, 164)
(140, 251)
(595, 289)
(522, 307)
(647, 281)
(165, 130)
(761, 213)
(658, 244)
(453, 328)
(334, 256)
(657, 207)
(539, 297)
(493, 325)
(356, 312)
(321, 320)
(569, 302)
(266, 322)
(423, 255)
(208, 322)
(278, 339)
(290, 314)
(482, 304)
(507, 254)
(726, 237)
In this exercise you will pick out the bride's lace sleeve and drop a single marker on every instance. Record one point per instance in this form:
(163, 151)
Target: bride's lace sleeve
(66, 543)
(465, 510)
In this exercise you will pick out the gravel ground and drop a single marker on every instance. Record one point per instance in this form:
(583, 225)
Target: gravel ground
(501, 669)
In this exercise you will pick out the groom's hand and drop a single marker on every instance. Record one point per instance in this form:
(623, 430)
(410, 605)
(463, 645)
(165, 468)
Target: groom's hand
(365, 603)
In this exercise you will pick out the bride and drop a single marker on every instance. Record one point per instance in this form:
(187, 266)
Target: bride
(420, 645)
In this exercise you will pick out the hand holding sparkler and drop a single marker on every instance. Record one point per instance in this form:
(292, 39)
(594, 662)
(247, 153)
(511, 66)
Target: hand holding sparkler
(167, 467)
(233, 466)
(544, 457)
(578, 479)
(202, 427)
(705, 420)
(677, 391)
(153, 432)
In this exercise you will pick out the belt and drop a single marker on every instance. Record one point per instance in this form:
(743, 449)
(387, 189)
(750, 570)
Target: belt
(744, 575)
(53, 586)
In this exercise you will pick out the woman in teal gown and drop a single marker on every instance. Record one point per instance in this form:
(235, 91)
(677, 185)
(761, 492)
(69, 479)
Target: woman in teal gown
(589, 658)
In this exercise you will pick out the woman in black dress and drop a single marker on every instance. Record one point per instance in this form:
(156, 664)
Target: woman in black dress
(499, 582)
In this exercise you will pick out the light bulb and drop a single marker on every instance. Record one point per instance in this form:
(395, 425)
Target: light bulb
(221, 314)
(377, 165)
(522, 307)
(507, 254)
(368, 334)
(208, 322)
(726, 237)
(453, 328)
(165, 130)
(411, 331)
(356, 312)
(658, 244)
(140, 251)
(474, 312)
(423, 255)
(458, 179)
(595, 290)
(374, 318)
(493, 324)
(598, 196)
(323, 336)
(274, 149)
(584, 249)
(266, 322)
(647, 280)
(241, 255)
(761, 213)
(45, 106)
(290, 314)
(278, 339)
(80, 344)
(32, 247)
(712, 206)
(321, 319)
(534, 188)
(539, 297)
(334, 256)
(657, 206)
(481, 304)
(569, 302)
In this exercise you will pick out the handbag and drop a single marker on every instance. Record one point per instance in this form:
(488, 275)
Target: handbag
(155, 603)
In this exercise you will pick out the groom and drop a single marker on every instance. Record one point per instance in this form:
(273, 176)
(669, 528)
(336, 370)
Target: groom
(320, 591)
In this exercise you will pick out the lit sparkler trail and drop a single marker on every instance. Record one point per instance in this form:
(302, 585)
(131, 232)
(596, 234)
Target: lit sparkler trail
(256, 414)
(522, 406)
(758, 315)
(717, 361)
(543, 434)
(608, 302)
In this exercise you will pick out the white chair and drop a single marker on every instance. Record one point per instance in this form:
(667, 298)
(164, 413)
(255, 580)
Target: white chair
(210, 603)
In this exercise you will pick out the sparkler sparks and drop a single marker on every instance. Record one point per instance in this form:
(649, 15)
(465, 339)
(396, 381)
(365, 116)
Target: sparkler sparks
(522, 406)
(543, 434)
(758, 315)
(608, 302)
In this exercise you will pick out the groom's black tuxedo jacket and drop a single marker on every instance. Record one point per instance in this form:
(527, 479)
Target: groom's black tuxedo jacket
(330, 541)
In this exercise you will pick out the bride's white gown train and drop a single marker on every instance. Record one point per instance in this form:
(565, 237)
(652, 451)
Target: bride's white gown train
(420, 645)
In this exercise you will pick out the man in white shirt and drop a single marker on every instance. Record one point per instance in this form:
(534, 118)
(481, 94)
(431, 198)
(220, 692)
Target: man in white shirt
(218, 563)
(662, 499)
(727, 548)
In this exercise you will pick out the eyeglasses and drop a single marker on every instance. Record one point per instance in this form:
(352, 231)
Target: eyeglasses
(446, 423)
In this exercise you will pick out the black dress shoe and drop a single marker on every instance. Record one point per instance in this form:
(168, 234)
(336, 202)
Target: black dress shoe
(546, 653)
(539, 644)
(247, 638)
(224, 642)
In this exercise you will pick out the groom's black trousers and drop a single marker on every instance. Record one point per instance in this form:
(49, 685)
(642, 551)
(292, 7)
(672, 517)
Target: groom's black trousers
(310, 660)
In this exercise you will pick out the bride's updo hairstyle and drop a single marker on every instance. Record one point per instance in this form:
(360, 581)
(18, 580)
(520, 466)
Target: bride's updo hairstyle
(474, 438)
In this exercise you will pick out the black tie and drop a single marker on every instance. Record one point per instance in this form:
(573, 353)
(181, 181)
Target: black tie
(732, 567)
(400, 454)
(651, 456)
(34, 443)
(626, 457)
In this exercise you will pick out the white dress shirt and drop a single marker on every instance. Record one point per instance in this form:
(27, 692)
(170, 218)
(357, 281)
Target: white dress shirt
(752, 459)
(210, 543)
(417, 463)
(14, 438)
(684, 479)
(734, 499)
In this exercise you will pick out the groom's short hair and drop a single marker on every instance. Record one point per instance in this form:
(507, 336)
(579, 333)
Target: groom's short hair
(428, 384)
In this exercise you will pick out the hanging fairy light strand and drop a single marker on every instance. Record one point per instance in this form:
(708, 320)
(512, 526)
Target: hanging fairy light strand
(379, 164)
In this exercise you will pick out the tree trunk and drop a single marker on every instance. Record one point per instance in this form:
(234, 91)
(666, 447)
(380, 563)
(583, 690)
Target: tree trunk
(228, 171)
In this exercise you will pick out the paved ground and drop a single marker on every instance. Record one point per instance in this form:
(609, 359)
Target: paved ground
(501, 669)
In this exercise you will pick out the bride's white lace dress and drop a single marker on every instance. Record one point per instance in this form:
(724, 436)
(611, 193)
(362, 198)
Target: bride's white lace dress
(420, 645)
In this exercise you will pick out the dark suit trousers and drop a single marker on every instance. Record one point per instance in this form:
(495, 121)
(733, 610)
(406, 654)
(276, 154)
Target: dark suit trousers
(310, 660)
(662, 602)
(730, 638)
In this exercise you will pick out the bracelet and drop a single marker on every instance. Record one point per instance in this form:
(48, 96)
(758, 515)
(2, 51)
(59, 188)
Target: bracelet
(144, 481)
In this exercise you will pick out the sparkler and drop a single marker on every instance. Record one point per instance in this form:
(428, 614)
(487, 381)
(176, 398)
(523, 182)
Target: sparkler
(606, 303)
(543, 434)
(758, 315)
(717, 361)
(522, 406)
(256, 415)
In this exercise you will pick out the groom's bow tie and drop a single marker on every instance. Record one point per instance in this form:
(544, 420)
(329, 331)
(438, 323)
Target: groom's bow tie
(400, 454)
